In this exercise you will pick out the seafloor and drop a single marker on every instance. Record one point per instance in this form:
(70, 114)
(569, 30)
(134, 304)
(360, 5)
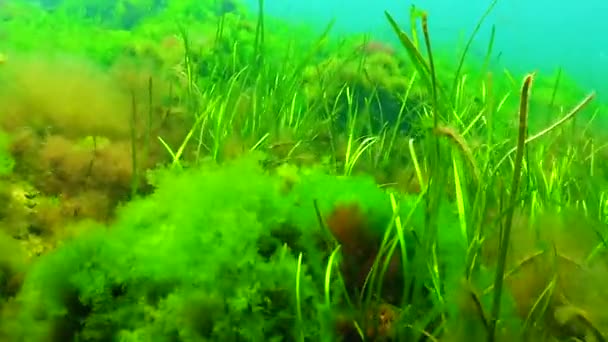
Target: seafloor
(185, 172)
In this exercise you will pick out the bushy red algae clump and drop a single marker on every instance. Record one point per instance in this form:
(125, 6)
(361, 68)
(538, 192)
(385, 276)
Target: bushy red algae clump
(353, 230)
(349, 226)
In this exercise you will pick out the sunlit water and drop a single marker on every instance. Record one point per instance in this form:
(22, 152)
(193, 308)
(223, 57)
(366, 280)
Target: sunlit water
(540, 35)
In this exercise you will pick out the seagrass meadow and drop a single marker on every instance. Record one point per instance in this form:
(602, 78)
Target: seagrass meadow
(171, 171)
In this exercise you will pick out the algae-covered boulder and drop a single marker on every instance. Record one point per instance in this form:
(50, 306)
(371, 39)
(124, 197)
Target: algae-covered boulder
(556, 265)
(369, 80)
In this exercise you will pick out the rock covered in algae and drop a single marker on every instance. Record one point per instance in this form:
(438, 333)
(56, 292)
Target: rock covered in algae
(558, 261)
(373, 77)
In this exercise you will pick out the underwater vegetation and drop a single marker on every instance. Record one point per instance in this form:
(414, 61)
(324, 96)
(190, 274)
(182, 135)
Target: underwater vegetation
(171, 171)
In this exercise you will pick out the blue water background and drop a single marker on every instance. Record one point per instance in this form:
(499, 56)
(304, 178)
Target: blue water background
(540, 35)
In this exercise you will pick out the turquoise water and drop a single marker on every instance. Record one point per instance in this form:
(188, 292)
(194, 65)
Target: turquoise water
(541, 35)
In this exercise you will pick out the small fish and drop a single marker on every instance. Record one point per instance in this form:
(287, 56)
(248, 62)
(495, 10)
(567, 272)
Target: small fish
(2, 58)
(226, 6)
